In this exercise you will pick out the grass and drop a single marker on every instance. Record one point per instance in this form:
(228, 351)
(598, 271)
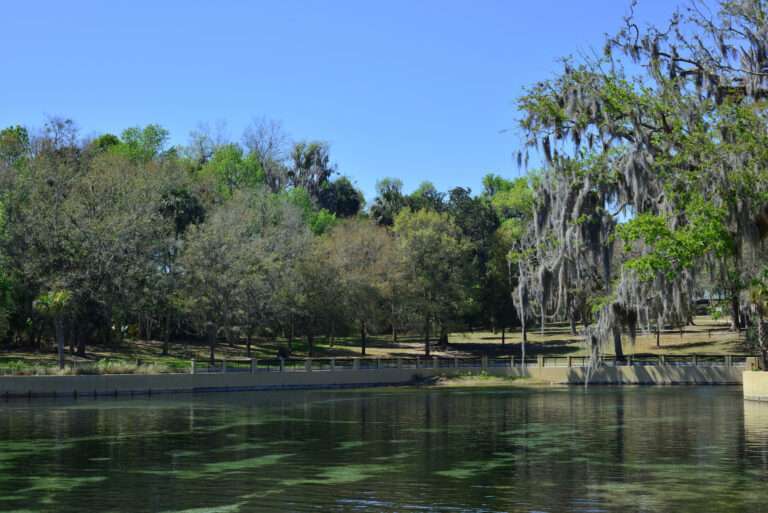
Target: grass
(483, 380)
(105, 366)
(707, 336)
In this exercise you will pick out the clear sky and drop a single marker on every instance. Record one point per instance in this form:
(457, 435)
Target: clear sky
(419, 89)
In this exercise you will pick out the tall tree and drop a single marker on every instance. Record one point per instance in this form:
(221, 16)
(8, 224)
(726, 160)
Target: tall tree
(436, 257)
(389, 201)
(358, 249)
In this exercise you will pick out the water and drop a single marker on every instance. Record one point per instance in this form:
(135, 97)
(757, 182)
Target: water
(674, 449)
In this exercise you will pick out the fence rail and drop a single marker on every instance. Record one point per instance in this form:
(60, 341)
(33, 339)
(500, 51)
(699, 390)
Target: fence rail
(469, 363)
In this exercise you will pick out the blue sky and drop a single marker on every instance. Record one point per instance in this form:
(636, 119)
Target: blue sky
(418, 90)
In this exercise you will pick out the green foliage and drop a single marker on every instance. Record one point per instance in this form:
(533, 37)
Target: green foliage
(120, 236)
(389, 201)
(53, 303)
(514, 201)
(231, 169)
(436, 261)
(321, 221)
(341, 198)
(670, 251)
(14, 145)
(141, 145)
(426, 196)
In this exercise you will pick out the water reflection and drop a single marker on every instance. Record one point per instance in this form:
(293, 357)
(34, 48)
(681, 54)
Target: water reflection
(674, 449)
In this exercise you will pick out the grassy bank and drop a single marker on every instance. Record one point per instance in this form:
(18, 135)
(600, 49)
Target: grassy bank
(707, 336)
(483, 380)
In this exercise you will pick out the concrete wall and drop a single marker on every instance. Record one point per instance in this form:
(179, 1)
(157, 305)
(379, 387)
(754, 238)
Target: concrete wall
(639, 375)
(756, 385)
(69, 386)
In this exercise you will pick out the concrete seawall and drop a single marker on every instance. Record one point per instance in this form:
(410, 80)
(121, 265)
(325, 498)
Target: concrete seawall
(755, 385)
(127, 384)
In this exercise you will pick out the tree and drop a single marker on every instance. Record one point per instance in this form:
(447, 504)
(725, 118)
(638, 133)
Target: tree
(358, 250)
(436, 257)
(142, 145)
(389, 201)
(310, 167)
(758, 299)
(14, 145)
(651, 148)
(478, 222)
(7, 304)
(426, 196)
(213, 268)
(267, 142)
(341, 198)
(54, 305)
(232, 170)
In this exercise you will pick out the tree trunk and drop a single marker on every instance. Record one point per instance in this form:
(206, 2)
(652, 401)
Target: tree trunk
(443, 336)
(291, 334)
(617, 349)
(426, 337)
(503, 335)
(72, 338)
(735, 314)
(363, 337)
(80, 343)
(212, 341)
(167, 335)
(525, 329)
(573, 324)
(310, 344)
(58, 324)
(248, 338)
(761, 340)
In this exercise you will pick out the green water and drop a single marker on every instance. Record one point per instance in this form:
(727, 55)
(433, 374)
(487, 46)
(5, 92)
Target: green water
(606, 449)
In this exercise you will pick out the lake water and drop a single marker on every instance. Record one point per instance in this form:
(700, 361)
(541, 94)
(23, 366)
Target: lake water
(677, 449)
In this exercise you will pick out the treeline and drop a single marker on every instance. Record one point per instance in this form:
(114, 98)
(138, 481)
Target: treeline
(112, 237)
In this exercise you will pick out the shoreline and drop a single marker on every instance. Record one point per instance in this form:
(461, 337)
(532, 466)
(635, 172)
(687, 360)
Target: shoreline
(114, 385)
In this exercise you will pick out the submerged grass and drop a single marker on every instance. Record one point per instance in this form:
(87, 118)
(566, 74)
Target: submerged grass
(226, 467)
(344, 474)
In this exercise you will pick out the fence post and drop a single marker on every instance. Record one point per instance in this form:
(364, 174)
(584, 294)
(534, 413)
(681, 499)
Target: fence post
(418, 362)
(662, 360)
(512, 362)
(378, 363)
(729, 360)
(435, 362)
(399, 363)
(540, 361)
(629, 360)
(192, 369)
(484, 362)
(223, 365)
(455, 362)
(253, 365)
(282, 364)
(356, 363)
(570, 362)
(333, 364)
(694, 360)
(308, 364)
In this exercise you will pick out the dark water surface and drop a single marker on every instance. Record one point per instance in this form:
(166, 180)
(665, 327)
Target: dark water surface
(677, 449)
